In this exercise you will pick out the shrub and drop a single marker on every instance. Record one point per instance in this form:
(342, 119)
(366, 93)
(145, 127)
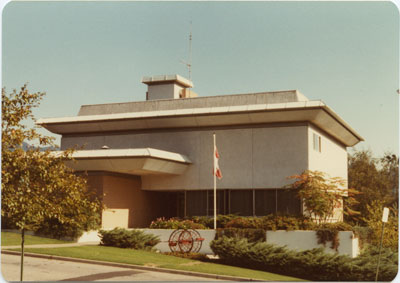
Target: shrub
(273, 222)
(133, 239)
(175, 223)
(252, 235)
(310, 264)
(329, 232)
(374, 222)
(53, 228)
(245, 222)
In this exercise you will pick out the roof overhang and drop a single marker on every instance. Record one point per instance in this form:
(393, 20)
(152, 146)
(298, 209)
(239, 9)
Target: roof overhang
(315, 112)
(138, 161)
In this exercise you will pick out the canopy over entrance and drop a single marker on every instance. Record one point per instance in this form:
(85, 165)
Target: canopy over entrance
(138, 161)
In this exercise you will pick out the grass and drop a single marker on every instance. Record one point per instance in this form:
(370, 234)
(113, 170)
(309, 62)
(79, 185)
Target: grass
(13, 239)
(153, 259)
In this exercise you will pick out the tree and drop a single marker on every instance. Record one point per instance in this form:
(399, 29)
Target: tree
(37, 187)
(375, 178)
(373, 219)
(322, 196)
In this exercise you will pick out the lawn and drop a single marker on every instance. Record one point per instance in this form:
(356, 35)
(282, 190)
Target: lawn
(153, 259)
(13, 239)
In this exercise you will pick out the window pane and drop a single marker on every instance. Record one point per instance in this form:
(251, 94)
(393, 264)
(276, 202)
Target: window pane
(317, 142)
(288, 202)
(265, 202)
(196, 203)
(220, 202)
(241, 202)
(181, 203)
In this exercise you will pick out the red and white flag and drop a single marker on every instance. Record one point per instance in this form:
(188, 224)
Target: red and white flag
(217, 171)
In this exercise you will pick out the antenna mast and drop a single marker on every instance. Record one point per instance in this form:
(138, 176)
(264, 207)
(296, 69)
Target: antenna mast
(189, 62)
(190, 53)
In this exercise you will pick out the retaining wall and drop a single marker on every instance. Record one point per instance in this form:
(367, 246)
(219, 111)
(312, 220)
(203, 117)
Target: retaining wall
(294, 240)
(307, 240)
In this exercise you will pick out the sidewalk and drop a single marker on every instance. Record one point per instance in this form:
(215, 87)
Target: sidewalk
(51, 245)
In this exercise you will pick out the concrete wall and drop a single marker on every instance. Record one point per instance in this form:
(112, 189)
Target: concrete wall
(307, 240)
(198, 102)
(163, 91)
(253, 157)
(333, 156)
(293, 240)
(164, 235)
(331, 160)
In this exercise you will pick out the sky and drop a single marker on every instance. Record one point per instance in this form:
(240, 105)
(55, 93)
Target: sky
(343, 53)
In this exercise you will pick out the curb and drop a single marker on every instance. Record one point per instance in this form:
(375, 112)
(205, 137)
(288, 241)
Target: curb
(133, 266)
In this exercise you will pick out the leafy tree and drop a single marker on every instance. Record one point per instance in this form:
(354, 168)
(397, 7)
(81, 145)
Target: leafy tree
(37, 187)
(376, 180)
(373, 219)
(390, 172)
(322, 196)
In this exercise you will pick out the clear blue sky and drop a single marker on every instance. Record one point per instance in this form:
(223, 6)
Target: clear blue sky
(344, 53)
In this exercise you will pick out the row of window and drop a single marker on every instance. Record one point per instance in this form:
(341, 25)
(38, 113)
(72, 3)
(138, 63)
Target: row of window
(241, 202)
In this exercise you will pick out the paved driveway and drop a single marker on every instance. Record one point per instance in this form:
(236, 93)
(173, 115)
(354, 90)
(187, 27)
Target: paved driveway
(38, 269)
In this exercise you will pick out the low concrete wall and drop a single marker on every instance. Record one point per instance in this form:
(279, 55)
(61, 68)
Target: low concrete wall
(293, 240)
(164, 234)
(307, 240)
(90, 236)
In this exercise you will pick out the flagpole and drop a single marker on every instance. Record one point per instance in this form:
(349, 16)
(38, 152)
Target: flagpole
(215, 188)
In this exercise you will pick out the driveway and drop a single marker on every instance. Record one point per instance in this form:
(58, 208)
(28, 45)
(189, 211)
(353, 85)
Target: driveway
(39, 269)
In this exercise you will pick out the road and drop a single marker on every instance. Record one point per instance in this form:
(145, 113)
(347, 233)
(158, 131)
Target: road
(39, 269)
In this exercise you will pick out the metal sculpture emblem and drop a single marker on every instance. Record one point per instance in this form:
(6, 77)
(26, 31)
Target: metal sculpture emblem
(185, 241)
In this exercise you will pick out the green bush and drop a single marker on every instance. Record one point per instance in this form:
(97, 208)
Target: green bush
(273, 222)
(53, 228)
(133, 239)
(245, 223)
(329, 232)
(252, 235)
(208, 221)
(175, 223)
(311, 264)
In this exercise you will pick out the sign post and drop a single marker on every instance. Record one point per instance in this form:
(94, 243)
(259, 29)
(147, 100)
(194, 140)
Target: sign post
(385, 217)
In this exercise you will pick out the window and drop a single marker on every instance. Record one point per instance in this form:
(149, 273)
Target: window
(288, 202)
(265, 202)
(249, 202)
(317, 142)
(241, 202)
(196, 203)
(220, 202)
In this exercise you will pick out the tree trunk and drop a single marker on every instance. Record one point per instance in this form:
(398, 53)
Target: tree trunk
(22, 253)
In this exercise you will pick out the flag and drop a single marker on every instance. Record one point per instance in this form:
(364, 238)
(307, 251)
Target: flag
(217, 171)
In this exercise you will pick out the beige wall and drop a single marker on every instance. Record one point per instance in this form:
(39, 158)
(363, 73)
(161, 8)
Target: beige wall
(333, 156)
(126, 204)
(164, 91)
(254, 157)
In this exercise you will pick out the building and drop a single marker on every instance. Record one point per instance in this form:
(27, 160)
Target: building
(154, 158)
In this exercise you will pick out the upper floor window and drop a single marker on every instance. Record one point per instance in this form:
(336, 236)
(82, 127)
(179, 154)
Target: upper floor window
(317, 142)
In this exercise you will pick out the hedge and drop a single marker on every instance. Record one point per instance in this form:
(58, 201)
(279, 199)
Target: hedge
(122, 238)
(310, 264)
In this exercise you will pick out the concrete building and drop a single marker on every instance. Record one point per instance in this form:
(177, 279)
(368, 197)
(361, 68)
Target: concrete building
(154, 158)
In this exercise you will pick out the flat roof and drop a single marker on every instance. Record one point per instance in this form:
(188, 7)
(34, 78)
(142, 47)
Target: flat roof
(315, 112)
(270, 97)
(163, 79)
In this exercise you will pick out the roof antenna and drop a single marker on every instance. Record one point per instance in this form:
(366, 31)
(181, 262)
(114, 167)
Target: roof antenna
(189, 62)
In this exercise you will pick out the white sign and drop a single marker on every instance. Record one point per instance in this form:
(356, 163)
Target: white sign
(385, 215)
